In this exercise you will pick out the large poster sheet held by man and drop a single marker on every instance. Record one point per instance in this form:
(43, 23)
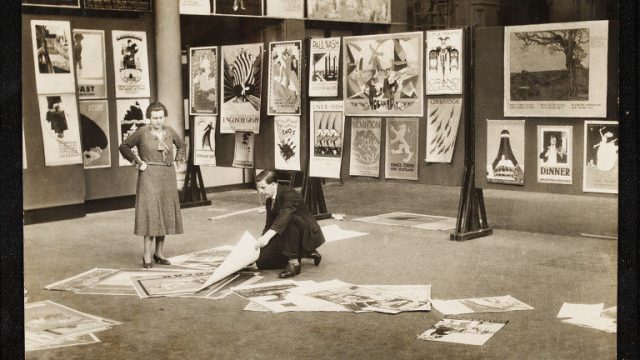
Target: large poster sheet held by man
(326, 139)
(444, 62)
(365, 147)
(130, 64)
(402, 149)
(285, 67)
(555, 154)
(325, 67)
(60, 129)
(600, 166)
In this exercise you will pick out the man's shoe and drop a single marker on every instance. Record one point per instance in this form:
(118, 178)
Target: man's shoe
(316, 257)
(290, 271)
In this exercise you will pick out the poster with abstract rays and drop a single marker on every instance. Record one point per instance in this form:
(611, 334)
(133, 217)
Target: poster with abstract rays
(442, 128)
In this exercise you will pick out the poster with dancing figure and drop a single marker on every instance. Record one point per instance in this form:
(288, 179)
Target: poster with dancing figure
(203, 80)
(130, 63)
(402, 149)
(364, 159)
(555, 154)
(444, 62)
(52, 57)
(442, 128)
(60, 129)
(325, 67)
(505, 151)
(600, 167)
(285, 66)
(327, 135)
(90, 63)
(287, 142)
(131, 116)
(94, 129)
(243, 153)
(205, 140)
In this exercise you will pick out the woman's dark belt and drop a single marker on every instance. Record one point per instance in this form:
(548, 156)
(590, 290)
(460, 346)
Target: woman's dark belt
(158, 163)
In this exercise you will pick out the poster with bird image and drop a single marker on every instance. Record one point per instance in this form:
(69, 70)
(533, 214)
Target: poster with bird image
(442, 128)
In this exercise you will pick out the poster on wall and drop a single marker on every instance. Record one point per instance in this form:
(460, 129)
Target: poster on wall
(600, 167)
(555, 151)
(401, 160)
(285, 66)
(556, 70)
(375, 11)
(195, 7)
(238, 7)
(287, 142)
(289, 9)
(327, 135)
(383, 75)
(505, 151)
(204, 138)
(130, 63)
(131, 116)
(60, 129)
(243, 151)
(90, 63)
(94, 131)
(123, 5)
(442, 128)
(241, 72)
(52, 56)
(325, 67)
(203, 80)
(444, 62)
(364, 159)
(53, 3)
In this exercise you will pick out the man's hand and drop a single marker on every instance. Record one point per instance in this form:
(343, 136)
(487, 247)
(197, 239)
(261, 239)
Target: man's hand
(263, 240)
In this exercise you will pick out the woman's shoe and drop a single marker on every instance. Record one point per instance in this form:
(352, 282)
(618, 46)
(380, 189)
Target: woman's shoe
(146, 265)
(161, 261)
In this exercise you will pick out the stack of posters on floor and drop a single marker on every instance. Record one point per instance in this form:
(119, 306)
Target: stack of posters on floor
(590, 315)
(420, 221)
(334, 233)
(462, 331)
(480, 305)
(50, 325)
(208, 259)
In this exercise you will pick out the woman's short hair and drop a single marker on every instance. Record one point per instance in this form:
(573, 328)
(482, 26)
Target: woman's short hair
(268, 176)
(156, 106)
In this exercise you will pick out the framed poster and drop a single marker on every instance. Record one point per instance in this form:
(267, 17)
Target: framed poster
(325, 67)
(444, 62)
(327, 135)
(442, 128)
(401, 160)
(383, 75)
(60, 129)
(238, 7)
(195, 7)
(243, 152)
(374, 11)
(555, 154)
(52, 54)
(53, 3)
(288, 9)
(600, 165)
(90, 63)
(364, 159)
(505, 151)
(94, 130)
(122, 5)
(287, 142)
(130, 64)
(203, 80)
(130, 117)
(556, 70)
(285, 87)
(241, 72)
(204, 138)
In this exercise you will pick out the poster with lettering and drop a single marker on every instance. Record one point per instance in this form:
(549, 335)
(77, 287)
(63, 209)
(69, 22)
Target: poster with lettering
(52, 57)
(327, 136)
(203, 80)
(195, 7)
(365, 147)
(119, 5)
(204, 138)
(444, 62)
(325, 67)
(442, 128)
(374, 11)
(60, 129)
(285, 66)
(401, 160)
(90, 63)
(238, 7)
(243, 151)
(131, 116)
(289, 9)
(600, 167)
(505, 151)
(555, 150)
(241, 72)
(130, 64)
(94, 129)
(287, 142)
(53, 3)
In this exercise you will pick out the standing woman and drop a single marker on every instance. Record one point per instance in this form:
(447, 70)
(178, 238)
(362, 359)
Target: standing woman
(157, 204)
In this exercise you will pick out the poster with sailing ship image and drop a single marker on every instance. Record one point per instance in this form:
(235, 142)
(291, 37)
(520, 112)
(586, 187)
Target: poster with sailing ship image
(325, 67)
(203, 80)
(365, 147)
(285, 66)
(326, 139)
(60, 129)
(90, 63)
(555, 154)
(287, 142)
(130, 64)
(130, 114)
(52, 57)
(600, 167)
(204, 138)
(444, 62)
(505, 151)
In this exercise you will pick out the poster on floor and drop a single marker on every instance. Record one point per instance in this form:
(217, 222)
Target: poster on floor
(327, 136)
(204, 138)
(90, 63)
(401, 160)
(52, 56)
(284, 77)
(600, 167)
(288, 9)
(364, 159)
(94, 131)
(243, 150)
(241, 73)
(505, 151)
(480, 305)
(119, 5)
(442, 128)
(325, 67)
(130, 63)
(60, 129)
(287, 142)
(555, 149)
(53, 3)
(203, 80)
(462, 331)
(444, 62)
(195, 7)
(373, 11)
(556, 70)
(130, 118)
(383, 75)
(238, 7)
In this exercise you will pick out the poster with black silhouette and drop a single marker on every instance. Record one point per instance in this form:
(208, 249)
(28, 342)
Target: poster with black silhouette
(505, 151)
(131, 116)
(238, 7)
(384, 75)
(287, 142)
(90, 63)
(53, 3)
(327, 137)
(203, 80)
(364, 159)
(443, 118)
(401, 159)
(373, 11)
(52, 57)
(241, 73)
(243, 152)
(60, 129)
(556, 70)
(444, 62)
(94, 130)
(555, 154)
(289, 9)
(130, 63)
(285, 66)
(325, 67)
(205, 140)
(600, 167)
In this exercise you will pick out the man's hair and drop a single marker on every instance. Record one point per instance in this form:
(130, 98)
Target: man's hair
(268, 176)
(156, 106)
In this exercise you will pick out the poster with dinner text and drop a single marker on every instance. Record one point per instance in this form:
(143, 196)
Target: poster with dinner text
(243, 152)
(442, 128)
(60, 129)
(203, 80)
(326, 138)
(444, 62)
(94, 130)
(204, 138)
(555, 154)
(288, 9)
(401, 160)
(52, 57)
(325, 67)
(130, 64)
(364, 158)
(287, 142)
(285, 66)
(505, 151)
(600, 166)
(90, 63)
(131, 116)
